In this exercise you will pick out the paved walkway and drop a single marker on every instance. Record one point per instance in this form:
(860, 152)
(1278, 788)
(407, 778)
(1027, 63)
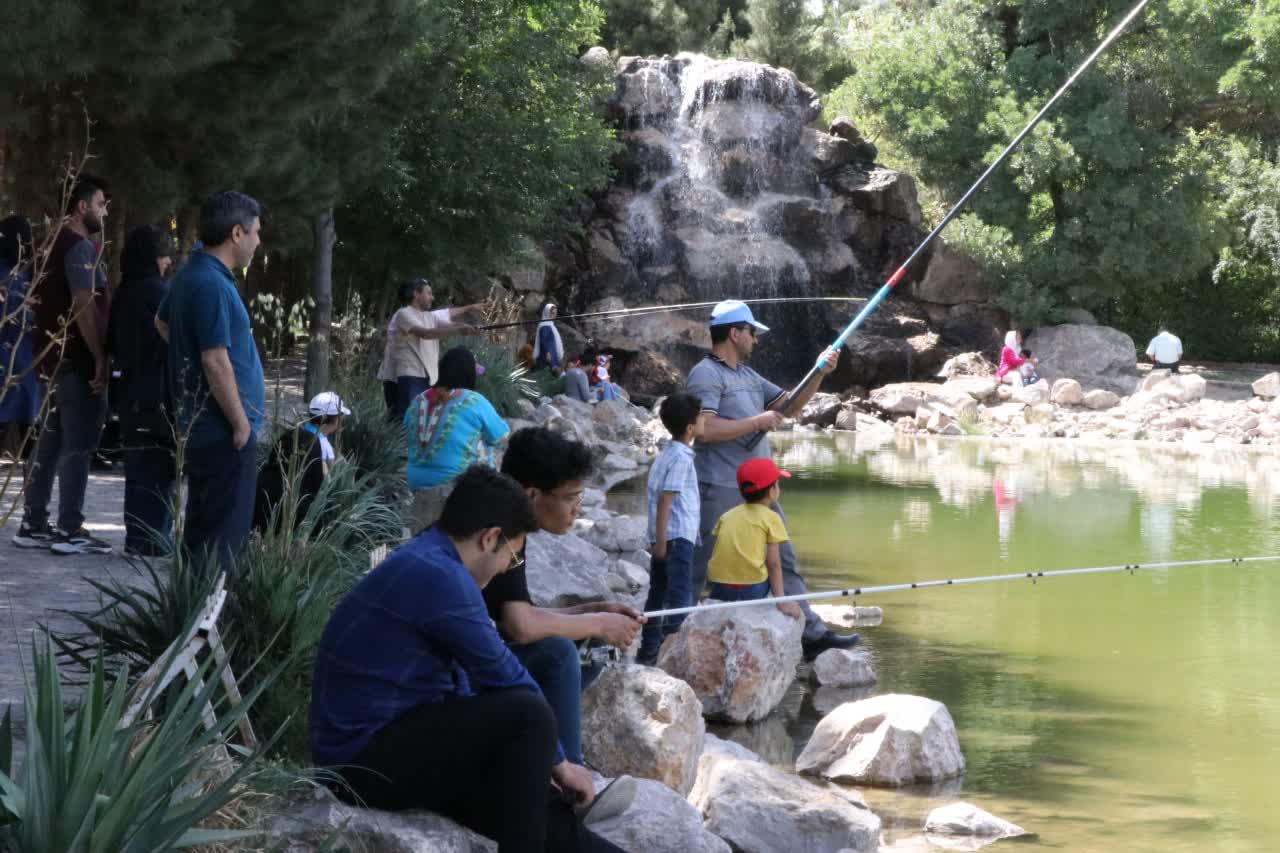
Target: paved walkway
(36, 583)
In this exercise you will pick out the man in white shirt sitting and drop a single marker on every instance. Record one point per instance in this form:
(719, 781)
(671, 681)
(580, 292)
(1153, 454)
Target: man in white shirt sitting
(416, 350)
(1165, 351)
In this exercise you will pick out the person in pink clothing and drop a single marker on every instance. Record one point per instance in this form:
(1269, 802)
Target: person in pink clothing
(1010, 361)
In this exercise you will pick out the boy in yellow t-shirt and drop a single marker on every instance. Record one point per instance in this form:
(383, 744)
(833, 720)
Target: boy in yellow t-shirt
(745, 564)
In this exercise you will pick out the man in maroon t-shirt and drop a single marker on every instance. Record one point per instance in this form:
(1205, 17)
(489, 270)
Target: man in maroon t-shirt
(70, 353)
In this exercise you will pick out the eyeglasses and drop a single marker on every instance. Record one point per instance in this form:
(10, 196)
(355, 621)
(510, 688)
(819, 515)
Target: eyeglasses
(574, 499)
(516, 560)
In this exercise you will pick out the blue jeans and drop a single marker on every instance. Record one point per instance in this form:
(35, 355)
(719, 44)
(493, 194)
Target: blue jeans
(715, 502)
(408, 387)
(554, 664)
(738, 592)
(669, 587)
(148, 493)
(68, 437)
(221, 486)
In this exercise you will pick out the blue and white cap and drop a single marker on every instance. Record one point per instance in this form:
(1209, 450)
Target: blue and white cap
(731, 312)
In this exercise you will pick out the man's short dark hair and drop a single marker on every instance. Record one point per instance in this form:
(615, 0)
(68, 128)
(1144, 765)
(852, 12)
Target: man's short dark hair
(82, 189)
(484, 498)
(679, 412)
(720, 334)
(222, 212)
(543, 459)
(405, 292)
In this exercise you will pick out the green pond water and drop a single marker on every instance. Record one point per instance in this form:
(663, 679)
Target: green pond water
(1105, 713)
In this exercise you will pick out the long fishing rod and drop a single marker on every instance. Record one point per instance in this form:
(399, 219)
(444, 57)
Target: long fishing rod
(644, 310)
(897, 587)
(901, 271)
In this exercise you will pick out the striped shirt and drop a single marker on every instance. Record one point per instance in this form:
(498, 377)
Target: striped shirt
(674, 471)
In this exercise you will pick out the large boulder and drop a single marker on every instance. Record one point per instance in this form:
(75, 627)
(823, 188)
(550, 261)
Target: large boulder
(876, 189)
(1032, 394)
(324, 823)
(952, 277)
(1099, 399)
(738, 660)
(888, 740)
(640, 721)
(844, 668)
(565, 570)
(821, 411)
(967, 819)
(1181, 387)
(1268, 387)
(615, 534)
(902, 398)
(1097, 356)
(967, 364)
(660, 821)
(759, 809)
(980, 388)
(618, 420)
(1067, 392)
(651, 374)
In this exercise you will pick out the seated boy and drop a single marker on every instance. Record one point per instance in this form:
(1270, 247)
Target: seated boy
(1028, 368)
(674, 518)
(746, 563)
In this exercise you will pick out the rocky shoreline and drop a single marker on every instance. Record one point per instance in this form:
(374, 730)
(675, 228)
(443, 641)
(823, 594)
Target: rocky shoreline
(698, 792)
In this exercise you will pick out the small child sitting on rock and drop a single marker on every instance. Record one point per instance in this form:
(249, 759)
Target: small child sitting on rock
(746, 563)
(1028, 368)
(674, 519)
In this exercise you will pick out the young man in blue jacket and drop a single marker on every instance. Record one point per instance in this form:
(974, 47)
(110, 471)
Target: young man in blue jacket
(418, 703)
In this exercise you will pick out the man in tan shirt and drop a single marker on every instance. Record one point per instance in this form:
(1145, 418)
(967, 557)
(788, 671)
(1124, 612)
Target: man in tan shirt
(415, 349)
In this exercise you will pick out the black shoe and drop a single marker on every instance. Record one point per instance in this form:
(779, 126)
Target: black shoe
(34, 535)
(830, 640)
(79, 542)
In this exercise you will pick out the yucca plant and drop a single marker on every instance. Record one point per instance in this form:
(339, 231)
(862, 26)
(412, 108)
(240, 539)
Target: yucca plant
(504, 382)
(90, 784)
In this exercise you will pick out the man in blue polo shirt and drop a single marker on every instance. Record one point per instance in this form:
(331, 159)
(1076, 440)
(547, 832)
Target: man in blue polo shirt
(417, 703)
(739, 403)
(215, 377)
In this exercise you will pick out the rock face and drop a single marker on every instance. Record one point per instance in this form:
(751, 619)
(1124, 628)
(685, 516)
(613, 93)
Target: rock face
(724, 187)
(889, 740)
(739, 661)
(324, 823)
(844, 668)
(969, 820)
(1096, 356)
(758, 809)
(660, 821)
(639, 721)
(565, 570)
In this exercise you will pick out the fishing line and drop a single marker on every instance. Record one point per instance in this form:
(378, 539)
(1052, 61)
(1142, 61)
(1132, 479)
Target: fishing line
(880, 294)
(660, 309)
(853, 592)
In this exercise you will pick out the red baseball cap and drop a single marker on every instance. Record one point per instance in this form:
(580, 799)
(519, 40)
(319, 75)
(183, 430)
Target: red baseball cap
(756, 475)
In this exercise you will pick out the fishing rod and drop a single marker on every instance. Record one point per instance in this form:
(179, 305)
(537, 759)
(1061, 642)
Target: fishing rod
(1131, 568)
(645, 310)
(901, 271)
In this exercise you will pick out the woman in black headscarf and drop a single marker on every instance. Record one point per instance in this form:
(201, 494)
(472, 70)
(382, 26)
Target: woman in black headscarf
(141, 356)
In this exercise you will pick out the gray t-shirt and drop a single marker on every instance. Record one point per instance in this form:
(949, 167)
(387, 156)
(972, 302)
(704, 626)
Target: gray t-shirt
(732, 393)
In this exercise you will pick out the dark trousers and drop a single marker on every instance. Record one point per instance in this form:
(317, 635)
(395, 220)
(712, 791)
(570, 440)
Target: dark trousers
(408, 387)
(670, 586)
(148, 496)
(484, 761)
(390, 396)
(738, 591)
(556, 666)
(1172, 368)
(68, 437)
(221, 482)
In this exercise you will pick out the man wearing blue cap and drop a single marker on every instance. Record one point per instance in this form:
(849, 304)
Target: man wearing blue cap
(740, 403)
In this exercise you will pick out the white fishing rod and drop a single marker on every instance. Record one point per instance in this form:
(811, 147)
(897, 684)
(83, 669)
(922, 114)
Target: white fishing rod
(644, 310)
(1131, 568)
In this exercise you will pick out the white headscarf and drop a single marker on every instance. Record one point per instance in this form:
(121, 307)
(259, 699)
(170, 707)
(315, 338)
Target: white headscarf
(1011, 340)
(550, 324)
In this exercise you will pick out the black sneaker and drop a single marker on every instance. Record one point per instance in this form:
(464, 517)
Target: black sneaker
(80, 542)
(830, 640)
(34, 535)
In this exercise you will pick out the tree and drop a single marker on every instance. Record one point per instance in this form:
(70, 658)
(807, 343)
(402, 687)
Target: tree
(1114, 194)
(782, 33)
(657, 27)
